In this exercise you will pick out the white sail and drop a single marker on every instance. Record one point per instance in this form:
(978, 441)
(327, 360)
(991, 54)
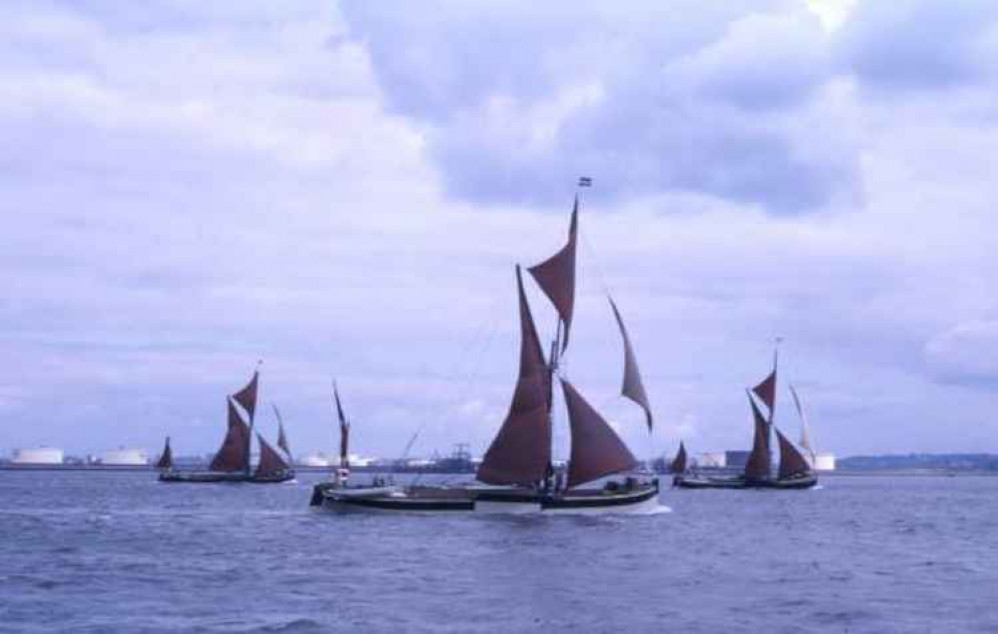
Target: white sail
(805, 430)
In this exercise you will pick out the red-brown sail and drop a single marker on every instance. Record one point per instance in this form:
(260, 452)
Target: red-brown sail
(247, 396)
(521, 452)
(270, 460)
(282, 438)
(792, 462)
(679, 462)
(597, 451)
(166, 458)
(767, 390)
(344, 430)
(234, 452)
(757, 466)
(633, 388)
(556, 276)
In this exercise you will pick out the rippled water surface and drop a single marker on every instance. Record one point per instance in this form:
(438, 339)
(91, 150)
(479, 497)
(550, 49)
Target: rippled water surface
(120, 552)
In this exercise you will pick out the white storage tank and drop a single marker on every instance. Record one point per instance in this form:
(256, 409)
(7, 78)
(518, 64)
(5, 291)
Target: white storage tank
(314, 460)
(122, 457)
(824, 462)
(710, 459)
(38, 455)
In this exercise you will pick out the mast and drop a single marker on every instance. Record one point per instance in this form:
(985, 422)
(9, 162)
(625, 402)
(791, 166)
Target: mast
(766, 391)
(247, 398)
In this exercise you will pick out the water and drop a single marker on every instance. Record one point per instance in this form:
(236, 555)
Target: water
(96, 552)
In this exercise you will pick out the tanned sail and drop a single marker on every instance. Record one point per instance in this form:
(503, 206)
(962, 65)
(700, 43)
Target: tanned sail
(344, 430)
(792, 463)
(521, 452)
(246, 397)
(679, 462)
(757, 466)
(556, 276)
(767, 391)
(234, 452)
(282, 438)
(597, 451)
(270, 460)
(166, 458)
(633, 388)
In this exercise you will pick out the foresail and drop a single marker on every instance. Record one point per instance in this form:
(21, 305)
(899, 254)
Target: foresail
(344, 429)
(282, 438)
(633, 387)
(791, 461)
(597, 451)
(270, 460)
(521, 452)
(233, 453)
(757, 465)
(556, 276)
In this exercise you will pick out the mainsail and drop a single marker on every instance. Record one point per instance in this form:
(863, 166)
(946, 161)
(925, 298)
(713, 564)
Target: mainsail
(166, 458)
(521, 452)
(344, 430)
(270, 460)
(282, 438)
(679, 462)
(757, 465)
(805, 431)
(633, 388)
(556, 276)
(597, 451)
(234, 452)
(791, 461)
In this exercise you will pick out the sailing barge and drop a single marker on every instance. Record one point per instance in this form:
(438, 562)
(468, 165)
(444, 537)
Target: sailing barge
(794, 471)
(232, 461)
(517, 473)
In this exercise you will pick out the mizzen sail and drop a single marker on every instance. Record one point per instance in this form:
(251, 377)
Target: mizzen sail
(166, 458)
(597, 451)
(270, 460)
(233, 455)
(556, 276)
(757, 465)
(792, 463)
(521, 452)
(679, 462)
(633, 388)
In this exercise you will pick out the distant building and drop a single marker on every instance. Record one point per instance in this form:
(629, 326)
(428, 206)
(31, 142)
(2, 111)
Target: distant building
(38, 455)
(122, 457)
(824, 462)
(314, 460)
(736, 459)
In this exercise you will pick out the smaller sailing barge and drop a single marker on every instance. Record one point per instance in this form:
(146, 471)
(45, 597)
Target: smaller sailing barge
(232, 461)
(794, 471)
(517, 474)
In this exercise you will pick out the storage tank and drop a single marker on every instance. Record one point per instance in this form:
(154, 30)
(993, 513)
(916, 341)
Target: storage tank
(122, 457)
(714, 459)
(314, 460)
(824, 462)
(38, 455)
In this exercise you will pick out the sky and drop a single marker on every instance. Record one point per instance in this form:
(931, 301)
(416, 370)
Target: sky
(342, 189)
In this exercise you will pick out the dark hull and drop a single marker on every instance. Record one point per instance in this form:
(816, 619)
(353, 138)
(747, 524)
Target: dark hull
(483, 500)
(214, 477)
(691, 482)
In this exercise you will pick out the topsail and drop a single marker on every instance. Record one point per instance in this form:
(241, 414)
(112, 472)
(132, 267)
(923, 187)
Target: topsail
(556, 276)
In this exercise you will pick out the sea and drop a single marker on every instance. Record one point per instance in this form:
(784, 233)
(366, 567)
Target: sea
(120, 552)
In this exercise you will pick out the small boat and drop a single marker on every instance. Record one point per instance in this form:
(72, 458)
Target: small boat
(232, 461)
(678, 465)
(517, 474)
(794, 470)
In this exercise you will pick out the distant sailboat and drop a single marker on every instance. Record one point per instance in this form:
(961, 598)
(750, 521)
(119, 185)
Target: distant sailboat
(794, 471)
(517, 471)
(678, 466)
(231, 462)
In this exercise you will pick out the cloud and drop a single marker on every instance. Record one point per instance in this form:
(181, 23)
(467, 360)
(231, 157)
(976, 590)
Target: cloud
(515, 105)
